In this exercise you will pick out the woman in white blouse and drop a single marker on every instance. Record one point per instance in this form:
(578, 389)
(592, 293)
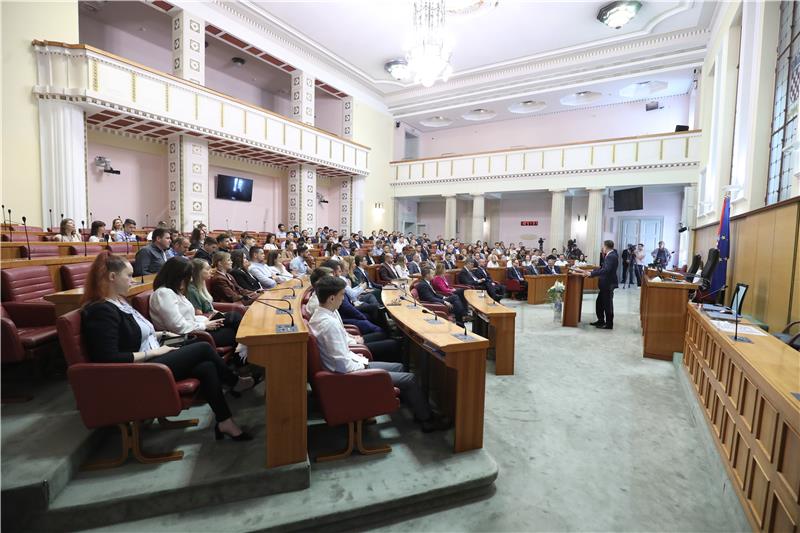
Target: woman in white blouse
(271, 243)
(492, 262)
(68, 232)
(171, 310)
(274, 265)
(97, 234)
(400, 265)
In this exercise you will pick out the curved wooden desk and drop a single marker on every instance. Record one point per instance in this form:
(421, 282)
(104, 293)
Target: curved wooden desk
(466, 358)
(501, 331)
(283, 356)
(66, 301)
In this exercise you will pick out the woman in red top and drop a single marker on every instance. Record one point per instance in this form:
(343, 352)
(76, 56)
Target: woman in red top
(441, 285)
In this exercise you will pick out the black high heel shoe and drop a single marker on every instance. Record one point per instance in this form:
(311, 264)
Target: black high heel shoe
(243, 436)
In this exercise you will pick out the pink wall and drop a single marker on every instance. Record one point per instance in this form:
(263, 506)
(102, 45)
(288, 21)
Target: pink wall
(619, 120)
(505, 216)
(328, 112)
(267, 209)
(139, 190)
(432, 215)
(328, 214)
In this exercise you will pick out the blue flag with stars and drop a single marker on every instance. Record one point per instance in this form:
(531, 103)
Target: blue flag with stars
(723, 245)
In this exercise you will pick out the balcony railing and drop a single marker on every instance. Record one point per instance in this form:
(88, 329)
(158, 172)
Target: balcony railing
(82, 73)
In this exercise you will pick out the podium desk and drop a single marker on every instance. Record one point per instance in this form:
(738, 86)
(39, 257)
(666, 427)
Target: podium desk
(465, 359)
(590, 284)
(501, 329)
(573, 301)
(283, 357)
(538, 286)
(663, 316)
(66, 301)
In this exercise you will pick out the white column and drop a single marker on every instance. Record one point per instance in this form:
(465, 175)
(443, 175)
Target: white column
(303, 97)
(189, 47)
(358, 198)
(688, 218)
(478, 214)
(450, 206)
(62, 141)
(347, 117)
(187, 160)
(303, 197)
(594, 225)
(346, 206)
(294, 186)
(557, 209)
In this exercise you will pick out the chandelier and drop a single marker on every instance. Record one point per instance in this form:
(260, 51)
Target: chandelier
(429, 55)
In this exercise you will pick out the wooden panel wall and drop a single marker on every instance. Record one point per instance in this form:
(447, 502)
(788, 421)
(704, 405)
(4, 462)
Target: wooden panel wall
(764, 254)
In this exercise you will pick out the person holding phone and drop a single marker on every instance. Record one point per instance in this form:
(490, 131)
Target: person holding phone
(114, 332)
(171, 310)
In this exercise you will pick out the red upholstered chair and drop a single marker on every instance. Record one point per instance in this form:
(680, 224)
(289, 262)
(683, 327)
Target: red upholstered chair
(26, 337)
(440, 309)
(91, 249)
(74, 276)
(22, 291)
(513, 286)
(341, 397)
(122, 248)
(110, 394)
(306, 314)
(141, 302)
(39, 250)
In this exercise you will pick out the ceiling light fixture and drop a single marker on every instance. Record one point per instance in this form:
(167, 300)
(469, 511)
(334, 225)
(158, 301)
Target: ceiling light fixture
(479, 114)
(398, 69)
(581, 98)
(643, 89)
(528, 106)
(429, 56)
(617, 14)
(238, 61)
(436, 122)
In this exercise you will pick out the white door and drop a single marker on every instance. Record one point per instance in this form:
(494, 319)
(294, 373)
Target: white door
(629, 233)
(650, 233)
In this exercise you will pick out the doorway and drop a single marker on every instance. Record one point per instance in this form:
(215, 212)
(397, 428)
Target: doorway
(635, 230)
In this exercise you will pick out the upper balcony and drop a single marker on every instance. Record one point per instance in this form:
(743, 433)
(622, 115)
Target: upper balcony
(118, 93)
(643, 160)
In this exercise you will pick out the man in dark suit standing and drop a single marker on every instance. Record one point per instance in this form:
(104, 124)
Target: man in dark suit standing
(607, 283)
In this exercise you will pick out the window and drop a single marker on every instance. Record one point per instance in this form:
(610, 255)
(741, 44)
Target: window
(784, 111)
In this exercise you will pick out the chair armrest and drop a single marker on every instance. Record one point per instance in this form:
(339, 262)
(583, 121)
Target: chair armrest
(111, 393)
(226, 307)
(31, 314)
(785, 330)
(436, 307)
(204, 336)
(12, 350)
(362, 350)
(460, 286)
(352, 329)
(342, 396)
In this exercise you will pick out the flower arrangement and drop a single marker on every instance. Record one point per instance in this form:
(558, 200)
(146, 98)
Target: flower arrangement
(556, 292)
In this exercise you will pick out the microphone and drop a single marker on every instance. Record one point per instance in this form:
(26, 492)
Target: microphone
(284, 289)
(147, 220)
(127, 245)
(10, 227)
(276, 300)
(735, 335)
(51, 217)
(83, 227)
(424, 309)
(702, 304)
(245, 225)
(228, 225)
(281, 328)
(27, 241)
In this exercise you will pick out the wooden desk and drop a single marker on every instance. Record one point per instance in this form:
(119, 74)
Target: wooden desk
(283, 356)
(663, 317)
(53, 264)
(573, 301)
(591, 284)
(538, 286)
(501, 329)
(466, 359)
(498, 274)
(14, 250)
(70, 300)
(745, 391)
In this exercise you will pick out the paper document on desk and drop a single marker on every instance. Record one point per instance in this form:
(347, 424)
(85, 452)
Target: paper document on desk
(730, 327)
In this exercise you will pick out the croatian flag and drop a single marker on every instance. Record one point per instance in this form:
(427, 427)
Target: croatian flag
(723, 245)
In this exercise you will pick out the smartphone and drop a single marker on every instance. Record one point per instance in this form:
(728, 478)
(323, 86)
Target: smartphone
(217, 316)
(174, 342)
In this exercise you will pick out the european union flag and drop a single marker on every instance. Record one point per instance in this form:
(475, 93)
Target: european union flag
(723, 245)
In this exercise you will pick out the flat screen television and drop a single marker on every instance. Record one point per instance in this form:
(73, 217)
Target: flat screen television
(628, 199)
(233, 188)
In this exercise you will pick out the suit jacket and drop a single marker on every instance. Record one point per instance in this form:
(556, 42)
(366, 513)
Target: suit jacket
(149, 260)
(245, 279)
(223, 288)
(363, 277)
(426, 293)
(514, 273)
(386, 274)
(481, 273)
(111, 336)
(413, 268)
(531, 270)
(423, 254)
(608, 272)
(465, 277)
(547, 270)
(202, 254)
(449, 265)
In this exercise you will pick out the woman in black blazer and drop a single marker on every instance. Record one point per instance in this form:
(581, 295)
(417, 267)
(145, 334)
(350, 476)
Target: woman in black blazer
(240, 272)
(114, 332)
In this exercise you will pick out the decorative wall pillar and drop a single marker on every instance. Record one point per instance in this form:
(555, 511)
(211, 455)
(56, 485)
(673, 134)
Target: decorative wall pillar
(594, 225)
(689, 219)
(347, 117)
(62, 138)
(303, 97)
(557, 211)
(450, 215)
(189, 47)
(303, 197)
(478, 214)
(358, 198)
(187, 161)
(346, 206)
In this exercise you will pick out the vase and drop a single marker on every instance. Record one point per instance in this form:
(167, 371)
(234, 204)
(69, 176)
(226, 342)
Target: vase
(558, 305)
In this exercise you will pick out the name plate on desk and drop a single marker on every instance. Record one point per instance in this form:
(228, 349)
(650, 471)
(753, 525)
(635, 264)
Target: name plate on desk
(285, 328)
(462, 337)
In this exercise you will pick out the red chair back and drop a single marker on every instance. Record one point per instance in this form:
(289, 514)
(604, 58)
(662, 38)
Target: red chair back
(121, 247)
(25, 284)
(69, 336)
(91, 249)
(141, 302)
(414, 293)
(74, 276)
(40, 250)
(314, 360)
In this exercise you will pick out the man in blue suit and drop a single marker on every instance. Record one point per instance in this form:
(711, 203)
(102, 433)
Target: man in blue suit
(607, 283)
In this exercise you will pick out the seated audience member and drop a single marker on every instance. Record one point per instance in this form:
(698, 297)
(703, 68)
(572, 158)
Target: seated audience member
(171, 310)
(224, 242)
(334, 347)
(161, 224)
(442, 286)
(369, 309)
(299, 265)
(281, 231)
(271, 243)
(114, 332)
(150, 258)
(414, 264)
(561, 261)
(198, 238)
(68, 232)
(223, 286)
(449, 261)
(387, 271)
(369, 331)
(127, 232)
(179, 248)
(427, 293)
(551, 267)
(197, 292)
(241, 272)
(366, 293)
(98, 231)
(515, 272)
(279, 272)
(361, 276)
(481, 273)
(259, 270)
(206, 253)
(401, 267)
(246, 241)
(466, 277)
(116, 227)
(287, 254)
(492, 262)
